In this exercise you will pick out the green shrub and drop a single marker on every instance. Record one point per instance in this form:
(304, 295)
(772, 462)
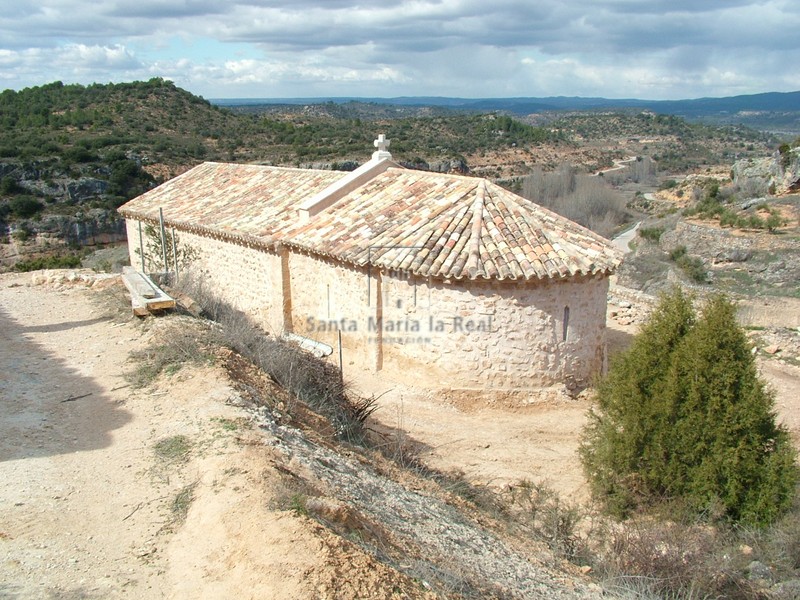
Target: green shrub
(691, 265)
(63, 261)
(23, 233)
(786, 157)
(78, 154)
(694, 268)
(24, 207)
(773, 221)
(677, 253)
(8, 186)
(652, 234)
(668, 184)
(683, 416)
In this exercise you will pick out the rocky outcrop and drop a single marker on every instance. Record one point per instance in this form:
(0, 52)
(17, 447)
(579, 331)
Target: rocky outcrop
(95, 226)
(28, 239)
(713, 243)
(748, 263)
(779, 173)
(43, 180)
(451, 165)
(85, 188)
(70, 222)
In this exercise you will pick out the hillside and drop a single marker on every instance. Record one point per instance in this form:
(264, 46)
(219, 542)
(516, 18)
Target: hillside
(772, 111)
(70, 154)
(147, 458)
(210, 481)
(738, 232)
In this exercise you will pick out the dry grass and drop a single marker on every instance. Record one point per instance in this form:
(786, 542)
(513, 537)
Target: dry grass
(173, 449)
(314, 382)
(182, 502)
(177, 344)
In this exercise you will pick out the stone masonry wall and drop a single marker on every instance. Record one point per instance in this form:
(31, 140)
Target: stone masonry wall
(247, 278)
(498, 335)
(462, 334)
(328, 297)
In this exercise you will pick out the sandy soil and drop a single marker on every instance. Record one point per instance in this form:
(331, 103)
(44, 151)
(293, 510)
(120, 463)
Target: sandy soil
(532, 437)
(88, 509)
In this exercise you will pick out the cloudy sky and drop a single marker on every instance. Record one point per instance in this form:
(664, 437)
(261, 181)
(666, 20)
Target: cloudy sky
(652, 49)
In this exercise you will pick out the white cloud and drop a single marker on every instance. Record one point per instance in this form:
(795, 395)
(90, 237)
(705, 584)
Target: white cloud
(96, 57)
(651, 48)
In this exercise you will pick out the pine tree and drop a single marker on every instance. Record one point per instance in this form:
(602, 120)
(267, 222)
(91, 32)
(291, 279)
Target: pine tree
(684, 415)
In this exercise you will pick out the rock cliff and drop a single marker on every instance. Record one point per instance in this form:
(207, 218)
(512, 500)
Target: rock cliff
(780, 172)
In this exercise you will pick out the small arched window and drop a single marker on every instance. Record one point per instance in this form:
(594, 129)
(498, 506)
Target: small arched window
(565, 324)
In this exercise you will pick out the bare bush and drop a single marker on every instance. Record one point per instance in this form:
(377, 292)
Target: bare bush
(728, 193)
(752, 187)
(550, 518)
(641, 170)
(582, 198)
(778, 545)
(309, 379)
(670, 560)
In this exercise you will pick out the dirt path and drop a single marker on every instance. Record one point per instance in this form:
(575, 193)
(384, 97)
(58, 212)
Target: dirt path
(784, 379)
(66, 493)
(87, 507)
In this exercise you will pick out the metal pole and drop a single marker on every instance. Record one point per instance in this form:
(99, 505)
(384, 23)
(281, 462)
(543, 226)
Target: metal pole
(369, 274)
(341, 366)
(163, 239)
(175, 254)
(141, 245)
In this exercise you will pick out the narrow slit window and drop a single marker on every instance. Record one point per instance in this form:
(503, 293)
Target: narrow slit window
(565, 324)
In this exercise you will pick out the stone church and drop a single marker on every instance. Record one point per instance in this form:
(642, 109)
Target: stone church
(450, 279)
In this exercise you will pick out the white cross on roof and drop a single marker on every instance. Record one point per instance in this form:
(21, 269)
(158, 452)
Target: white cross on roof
(382, 144)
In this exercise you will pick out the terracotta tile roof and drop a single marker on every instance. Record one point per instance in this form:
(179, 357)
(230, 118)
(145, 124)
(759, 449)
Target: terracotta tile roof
(449, 226)
(442, 226)
(246, 202)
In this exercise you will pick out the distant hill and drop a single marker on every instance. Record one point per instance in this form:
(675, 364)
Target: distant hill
(772, 111)
(70, 154)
